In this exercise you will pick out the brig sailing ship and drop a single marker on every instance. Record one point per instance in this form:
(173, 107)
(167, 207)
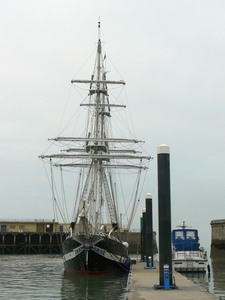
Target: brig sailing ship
(94, 243)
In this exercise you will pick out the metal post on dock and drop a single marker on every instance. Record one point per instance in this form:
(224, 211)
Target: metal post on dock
(164, 214)
(142, 238)
(144, 233)
(149, 232)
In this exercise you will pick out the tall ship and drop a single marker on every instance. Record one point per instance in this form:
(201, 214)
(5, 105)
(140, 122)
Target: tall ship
(187, 254)
(96, 161)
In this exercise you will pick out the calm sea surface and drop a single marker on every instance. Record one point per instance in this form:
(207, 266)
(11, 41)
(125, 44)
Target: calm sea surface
(43, 277)
(215, 281)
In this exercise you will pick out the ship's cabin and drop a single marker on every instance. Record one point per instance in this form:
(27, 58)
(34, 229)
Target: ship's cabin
(185, 239)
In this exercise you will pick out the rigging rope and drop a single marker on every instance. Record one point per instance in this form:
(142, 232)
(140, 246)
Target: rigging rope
(64, 196)
(135, 202)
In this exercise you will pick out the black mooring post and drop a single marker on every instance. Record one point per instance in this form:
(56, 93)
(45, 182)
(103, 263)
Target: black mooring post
(144, 233)
(142, 239)
(149, 231)
(164, 211)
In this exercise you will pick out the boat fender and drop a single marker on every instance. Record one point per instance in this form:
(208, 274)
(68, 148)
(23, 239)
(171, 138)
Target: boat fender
(208, 268)
(126, 244)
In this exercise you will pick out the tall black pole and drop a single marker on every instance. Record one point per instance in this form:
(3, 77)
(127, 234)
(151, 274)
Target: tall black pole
(142, 238)
(149, 230)
(144, 233)
(164, 211)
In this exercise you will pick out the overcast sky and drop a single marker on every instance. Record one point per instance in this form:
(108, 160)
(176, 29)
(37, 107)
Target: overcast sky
(171, 55)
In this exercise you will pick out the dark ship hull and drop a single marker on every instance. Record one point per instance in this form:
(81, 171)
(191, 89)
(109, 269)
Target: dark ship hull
(95, 254)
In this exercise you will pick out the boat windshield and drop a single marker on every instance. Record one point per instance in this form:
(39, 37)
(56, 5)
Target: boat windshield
(190, 234)
(179, 235)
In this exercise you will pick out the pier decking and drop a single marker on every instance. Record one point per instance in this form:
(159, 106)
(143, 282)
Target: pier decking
(141, 286)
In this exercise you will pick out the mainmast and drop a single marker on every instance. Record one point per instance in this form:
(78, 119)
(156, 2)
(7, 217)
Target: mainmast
(98, 134)
(99, 67)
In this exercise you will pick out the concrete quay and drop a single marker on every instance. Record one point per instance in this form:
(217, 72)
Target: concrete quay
(141, 284)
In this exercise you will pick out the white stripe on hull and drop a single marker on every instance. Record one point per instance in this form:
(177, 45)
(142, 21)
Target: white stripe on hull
(99, 251)
(74, 253)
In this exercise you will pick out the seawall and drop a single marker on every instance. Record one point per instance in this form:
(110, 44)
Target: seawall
(217, 238)
(134, 241)
(50, 242)
(31, 242)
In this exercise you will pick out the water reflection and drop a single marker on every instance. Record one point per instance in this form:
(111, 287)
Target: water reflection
(93, 287)
(200, 279)
(213, 281)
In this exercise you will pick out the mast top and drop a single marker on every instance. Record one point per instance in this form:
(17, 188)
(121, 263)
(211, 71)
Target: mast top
(99, 27)
(99, 37)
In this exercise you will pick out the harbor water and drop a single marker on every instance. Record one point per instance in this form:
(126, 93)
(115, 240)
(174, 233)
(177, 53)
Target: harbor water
(213, 281)
(43, 277)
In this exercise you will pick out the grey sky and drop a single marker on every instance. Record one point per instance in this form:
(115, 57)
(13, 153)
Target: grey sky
(171, 55)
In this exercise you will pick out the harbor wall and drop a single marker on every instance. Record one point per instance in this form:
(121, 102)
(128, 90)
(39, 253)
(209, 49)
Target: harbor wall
(40, 236)
(31, 242)
(217, 238)
(134, 241)
(50, 242)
